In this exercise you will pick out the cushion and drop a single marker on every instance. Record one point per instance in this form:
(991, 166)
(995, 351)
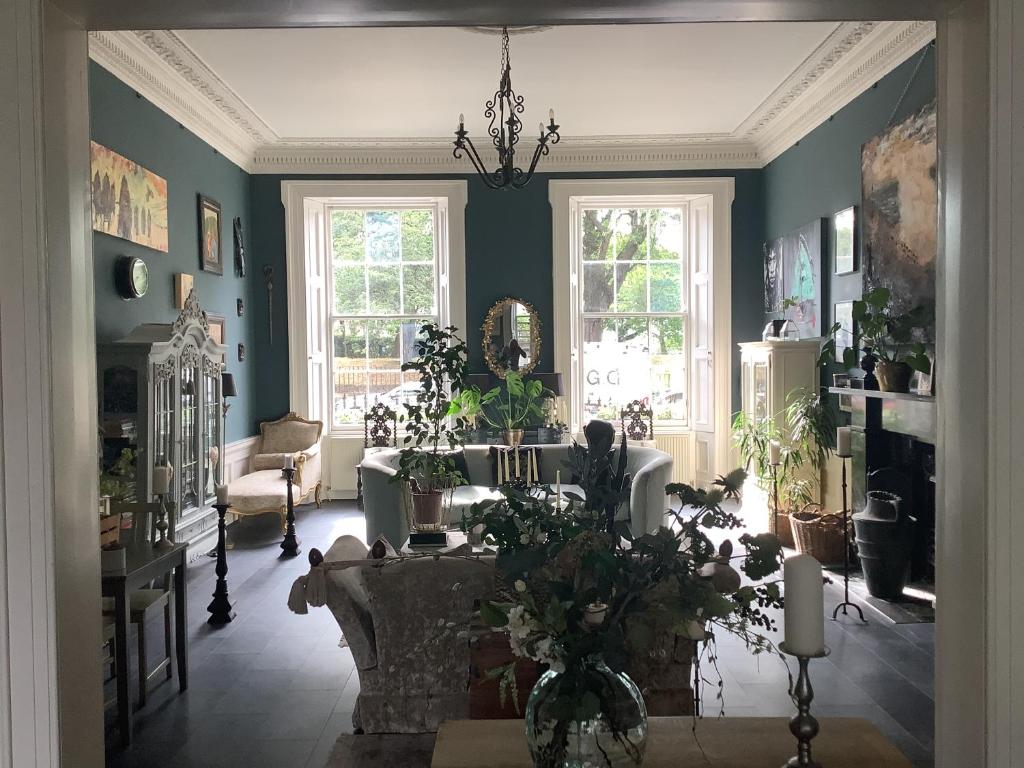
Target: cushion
(261, 491)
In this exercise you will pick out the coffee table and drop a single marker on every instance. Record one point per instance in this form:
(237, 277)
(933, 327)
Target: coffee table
(673, 742)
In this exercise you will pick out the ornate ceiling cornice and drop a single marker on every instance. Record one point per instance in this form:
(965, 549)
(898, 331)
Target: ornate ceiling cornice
(160, 66)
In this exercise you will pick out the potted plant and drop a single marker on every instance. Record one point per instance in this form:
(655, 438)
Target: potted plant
(427, 460)
(892, 339)
(508, 409)
(590, 603)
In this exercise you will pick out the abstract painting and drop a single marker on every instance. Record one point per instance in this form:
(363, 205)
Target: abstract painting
(773, 293)
(211, 252)
(801, 277)
(899, 211)
(128, 201)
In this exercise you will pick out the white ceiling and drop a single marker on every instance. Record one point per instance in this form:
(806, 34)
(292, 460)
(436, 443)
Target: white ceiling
(628, 97)
(667, 79)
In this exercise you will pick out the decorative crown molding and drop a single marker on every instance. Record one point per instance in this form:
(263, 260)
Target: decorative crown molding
(161, 67)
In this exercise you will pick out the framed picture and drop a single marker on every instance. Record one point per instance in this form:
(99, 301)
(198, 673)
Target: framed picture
(128, 201)
(211, 251)
(217, 327)
(182, 288)
(801, 277)
(845, 240)
(773, 292)
(844, 336)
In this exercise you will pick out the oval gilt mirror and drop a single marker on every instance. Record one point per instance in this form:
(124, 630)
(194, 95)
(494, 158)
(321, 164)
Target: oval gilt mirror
(511, 337)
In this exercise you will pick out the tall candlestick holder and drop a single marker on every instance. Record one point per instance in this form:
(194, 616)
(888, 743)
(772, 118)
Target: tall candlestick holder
(775, 498)
(220, 607)
(290, 545)
(846, 604)
(803, 725)
(162, 540)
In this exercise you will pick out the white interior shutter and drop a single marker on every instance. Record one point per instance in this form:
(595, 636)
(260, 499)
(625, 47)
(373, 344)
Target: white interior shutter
(702, 389)
(317, 311)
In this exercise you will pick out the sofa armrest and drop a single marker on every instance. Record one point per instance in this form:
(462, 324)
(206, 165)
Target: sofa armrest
(647, 501)
(309, 468)
(313, 450)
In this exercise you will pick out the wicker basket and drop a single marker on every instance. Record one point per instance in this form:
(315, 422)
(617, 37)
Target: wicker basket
(818, 533)
(785, 532)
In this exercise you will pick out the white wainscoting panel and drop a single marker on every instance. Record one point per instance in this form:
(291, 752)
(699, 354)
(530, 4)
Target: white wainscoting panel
(238, 457)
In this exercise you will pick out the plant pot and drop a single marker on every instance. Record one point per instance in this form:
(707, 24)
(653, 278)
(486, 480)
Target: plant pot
(427, 512)
(558, 741)
(513, 437)
(893, 377)
(884, 539)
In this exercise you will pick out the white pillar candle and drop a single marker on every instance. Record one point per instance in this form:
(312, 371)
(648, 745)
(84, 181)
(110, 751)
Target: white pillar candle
(558, 485)
(289, 461)
(536, 470)
(843, 435)
(774, 453)
(161, 480)
(805, 607)
(507, 478)
(222, 494)
(517, 463)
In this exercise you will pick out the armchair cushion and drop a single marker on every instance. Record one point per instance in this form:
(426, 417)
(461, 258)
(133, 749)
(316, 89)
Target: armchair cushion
(269, 460)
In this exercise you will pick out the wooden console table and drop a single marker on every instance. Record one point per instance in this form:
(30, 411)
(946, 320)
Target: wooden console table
(731, 742)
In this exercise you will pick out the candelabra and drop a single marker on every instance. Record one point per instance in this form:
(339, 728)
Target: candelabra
(803, 725)
(846, 556)
(290, 545)
(220, 607)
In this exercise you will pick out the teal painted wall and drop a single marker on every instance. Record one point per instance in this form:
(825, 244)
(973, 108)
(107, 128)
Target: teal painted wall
(820, 175)
(508, 253)
(133, 127)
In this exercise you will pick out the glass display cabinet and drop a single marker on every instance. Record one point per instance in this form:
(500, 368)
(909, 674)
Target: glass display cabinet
(160, 398)
(770, 370)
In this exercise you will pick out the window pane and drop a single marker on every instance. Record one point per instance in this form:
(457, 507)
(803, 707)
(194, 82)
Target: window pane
(383, 340)
(600, 368)
(630, 241)
(349, 289)
(666, 287)
(384, 298)
(598, 287)
(347, 241)
(632, 293)
(349, 371)
(418, 289)
(668, 368)
(597, 234)
(382, 236)
(386, 387)
(418, 236)
(667, 234)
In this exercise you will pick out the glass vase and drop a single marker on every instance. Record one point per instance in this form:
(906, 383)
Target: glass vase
(615, 736)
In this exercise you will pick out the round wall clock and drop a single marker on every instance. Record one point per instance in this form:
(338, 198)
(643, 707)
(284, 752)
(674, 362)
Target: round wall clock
(131, 276)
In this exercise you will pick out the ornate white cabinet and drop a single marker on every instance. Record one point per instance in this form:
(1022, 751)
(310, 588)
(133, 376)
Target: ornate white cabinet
(160, 396)
(770, 370)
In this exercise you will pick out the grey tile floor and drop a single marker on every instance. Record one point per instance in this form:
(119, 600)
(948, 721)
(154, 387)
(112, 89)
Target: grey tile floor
(275, 689)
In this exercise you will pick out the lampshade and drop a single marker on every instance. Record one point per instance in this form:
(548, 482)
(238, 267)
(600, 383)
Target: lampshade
(227, 385)
(551, 381)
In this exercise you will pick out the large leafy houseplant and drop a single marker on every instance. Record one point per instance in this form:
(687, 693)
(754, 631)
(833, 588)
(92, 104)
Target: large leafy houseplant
(427, 460)
(509, 408)
(895, 340)
(584, 600)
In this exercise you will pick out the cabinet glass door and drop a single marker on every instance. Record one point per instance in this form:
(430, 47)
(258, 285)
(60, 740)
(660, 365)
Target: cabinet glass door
(211, 431)
(163, 416)
(190, 433)
(760, 390)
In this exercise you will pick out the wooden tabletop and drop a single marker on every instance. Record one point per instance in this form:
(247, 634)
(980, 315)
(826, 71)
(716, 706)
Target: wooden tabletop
(731, 742)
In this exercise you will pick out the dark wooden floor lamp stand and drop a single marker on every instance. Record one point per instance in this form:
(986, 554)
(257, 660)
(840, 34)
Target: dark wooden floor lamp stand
(220, 607)
(846, 556)
(290, 545)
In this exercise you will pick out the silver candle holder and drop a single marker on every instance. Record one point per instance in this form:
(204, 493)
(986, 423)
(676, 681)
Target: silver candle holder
(162, 542)
(803, 725)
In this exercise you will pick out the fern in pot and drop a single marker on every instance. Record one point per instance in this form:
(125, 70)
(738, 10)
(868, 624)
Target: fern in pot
(434, 429)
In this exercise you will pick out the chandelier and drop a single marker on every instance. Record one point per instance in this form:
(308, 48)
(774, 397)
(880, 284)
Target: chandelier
(505, 127)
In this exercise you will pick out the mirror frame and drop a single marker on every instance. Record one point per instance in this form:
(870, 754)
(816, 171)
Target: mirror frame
(488, 329)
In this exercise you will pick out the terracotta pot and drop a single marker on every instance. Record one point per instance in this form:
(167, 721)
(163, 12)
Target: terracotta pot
(893, 377)
(513, 437)
(427, 510)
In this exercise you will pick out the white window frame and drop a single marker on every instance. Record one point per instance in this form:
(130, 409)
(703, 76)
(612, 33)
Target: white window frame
(567, 197)
(446, 198)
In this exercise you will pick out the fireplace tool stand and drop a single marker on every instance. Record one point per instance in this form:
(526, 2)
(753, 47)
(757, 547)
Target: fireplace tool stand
(846, 557)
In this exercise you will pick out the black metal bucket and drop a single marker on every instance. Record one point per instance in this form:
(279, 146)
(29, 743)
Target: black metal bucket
(885, 539)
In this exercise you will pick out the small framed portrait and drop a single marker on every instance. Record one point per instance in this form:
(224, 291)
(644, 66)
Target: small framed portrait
(211, 250)
(844, 336)
(844, 240)
(217, 327)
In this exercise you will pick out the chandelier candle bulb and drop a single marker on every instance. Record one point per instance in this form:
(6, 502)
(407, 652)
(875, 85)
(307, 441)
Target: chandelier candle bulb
(805, 607)
(843, 435)
(462, 119)
(222, 494)
(774, 453)
(161, 480)
(551, 115)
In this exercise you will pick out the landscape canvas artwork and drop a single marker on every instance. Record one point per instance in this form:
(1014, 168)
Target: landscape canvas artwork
(899, 211)
(128, 201)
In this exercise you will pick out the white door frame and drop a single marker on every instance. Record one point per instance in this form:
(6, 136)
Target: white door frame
(979, 669)
(567, 195)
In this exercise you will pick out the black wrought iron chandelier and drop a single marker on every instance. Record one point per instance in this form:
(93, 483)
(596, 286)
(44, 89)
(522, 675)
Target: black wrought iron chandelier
(505, 127)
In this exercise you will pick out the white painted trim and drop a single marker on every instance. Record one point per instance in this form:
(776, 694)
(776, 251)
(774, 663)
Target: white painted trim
(565, 195)
(161, 66)
(238, 457)
(452, 197)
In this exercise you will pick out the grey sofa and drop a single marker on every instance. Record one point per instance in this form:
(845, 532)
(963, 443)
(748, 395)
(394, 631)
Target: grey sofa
(386, 503)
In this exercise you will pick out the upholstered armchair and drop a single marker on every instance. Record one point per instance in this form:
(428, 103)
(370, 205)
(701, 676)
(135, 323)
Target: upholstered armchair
(299, 437)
